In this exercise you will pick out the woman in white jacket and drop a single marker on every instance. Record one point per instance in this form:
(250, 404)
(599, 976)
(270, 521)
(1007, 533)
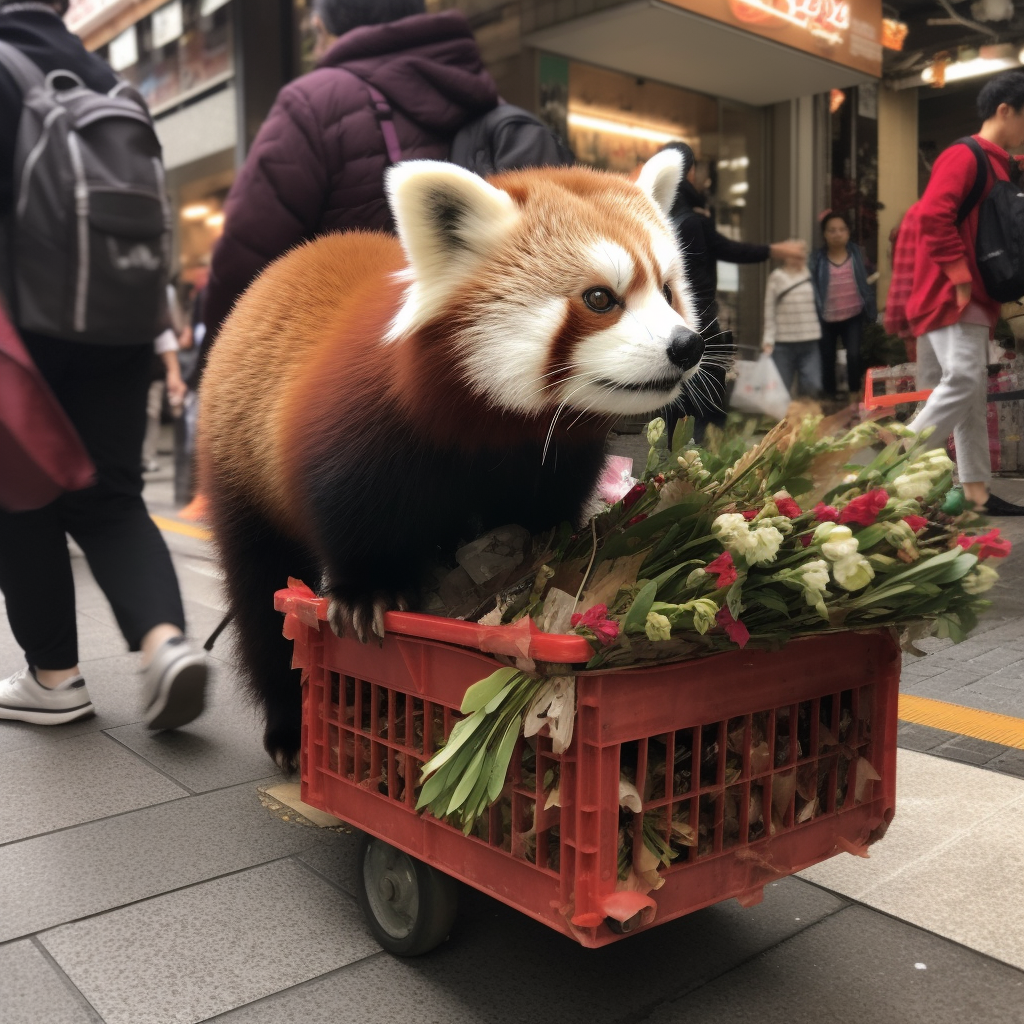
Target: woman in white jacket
(792, 327)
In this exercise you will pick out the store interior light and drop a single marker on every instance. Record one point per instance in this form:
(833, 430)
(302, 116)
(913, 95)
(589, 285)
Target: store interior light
(959, 70)
(196, 211)
(215, 220)
(632, 131)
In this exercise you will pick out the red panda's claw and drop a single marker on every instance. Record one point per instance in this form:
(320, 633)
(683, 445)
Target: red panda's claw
(339, 616)
(380, 606)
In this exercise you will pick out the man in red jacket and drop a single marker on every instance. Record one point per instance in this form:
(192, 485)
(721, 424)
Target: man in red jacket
(947, 305)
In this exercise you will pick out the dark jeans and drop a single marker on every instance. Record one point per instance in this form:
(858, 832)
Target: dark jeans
(704, 395)
(103, 390)
(801, 359)
(850, 333)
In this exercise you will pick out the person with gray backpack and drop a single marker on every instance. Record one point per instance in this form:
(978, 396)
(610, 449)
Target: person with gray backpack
(84, 260)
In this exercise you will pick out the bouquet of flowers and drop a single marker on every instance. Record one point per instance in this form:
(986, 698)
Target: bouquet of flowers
(730, 545)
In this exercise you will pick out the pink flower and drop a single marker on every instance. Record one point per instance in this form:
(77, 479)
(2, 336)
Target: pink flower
(788, 507)
(633, 496)
(826, 513)
(734, 629)
(751, 513)
(916, 523)
(865, 509)
(596, 620)
(806, 540)
(724, 569)
(992, 545)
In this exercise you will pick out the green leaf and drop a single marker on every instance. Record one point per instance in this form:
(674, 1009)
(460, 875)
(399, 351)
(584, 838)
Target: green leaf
(636, 617)
(468, 780)
(683, 434)
(957, 569)
(734, 599)
(502, 757)
(871, 535)
(769, 600)
(480, 694)
(460, 734)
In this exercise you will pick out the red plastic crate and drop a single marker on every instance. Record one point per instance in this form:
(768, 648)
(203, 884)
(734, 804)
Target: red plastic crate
(372, 715)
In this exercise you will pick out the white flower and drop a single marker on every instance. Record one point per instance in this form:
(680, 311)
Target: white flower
(705, 613)
(850, 478)
(658, 627)
(732, 530)
(555, 707)
(853, 572)
(841, 543)
(814, 577)
(822, 531)
(910, 485)
(980, 579)
(767, 541)
(696, 578)
(655, 431)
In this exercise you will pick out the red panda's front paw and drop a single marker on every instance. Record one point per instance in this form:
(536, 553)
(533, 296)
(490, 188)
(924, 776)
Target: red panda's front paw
(365, 617)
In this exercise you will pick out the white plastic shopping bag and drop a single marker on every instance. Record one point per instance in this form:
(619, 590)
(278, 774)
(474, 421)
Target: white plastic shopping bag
(759, 388)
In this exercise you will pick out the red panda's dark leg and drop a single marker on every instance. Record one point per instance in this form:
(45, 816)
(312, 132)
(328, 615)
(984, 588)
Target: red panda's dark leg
(257, 561)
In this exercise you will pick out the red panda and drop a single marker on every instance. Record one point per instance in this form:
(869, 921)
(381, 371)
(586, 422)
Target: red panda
(372, 400)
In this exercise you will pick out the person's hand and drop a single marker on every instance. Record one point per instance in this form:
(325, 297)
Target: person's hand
(768, 347)
(963, 295)
(176, 391)
(792, 249)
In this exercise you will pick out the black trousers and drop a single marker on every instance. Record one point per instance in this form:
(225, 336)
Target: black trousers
(704, 397)
(850, 332)
(103, 390)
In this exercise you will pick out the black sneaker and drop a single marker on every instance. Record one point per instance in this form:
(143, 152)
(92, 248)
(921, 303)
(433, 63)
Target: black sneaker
(996, 506)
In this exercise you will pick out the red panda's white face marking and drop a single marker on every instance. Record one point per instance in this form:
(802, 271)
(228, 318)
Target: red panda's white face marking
(557, 287)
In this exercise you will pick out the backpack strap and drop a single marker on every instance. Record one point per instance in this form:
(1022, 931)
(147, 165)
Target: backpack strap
(386, 120)
(980, 178)
(792, 287)
(26, 73)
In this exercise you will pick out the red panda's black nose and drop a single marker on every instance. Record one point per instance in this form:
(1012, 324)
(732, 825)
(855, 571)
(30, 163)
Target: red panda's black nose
(685, 347)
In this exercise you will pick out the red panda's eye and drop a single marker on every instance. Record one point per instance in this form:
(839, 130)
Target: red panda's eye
(668, 295)
(600, 300)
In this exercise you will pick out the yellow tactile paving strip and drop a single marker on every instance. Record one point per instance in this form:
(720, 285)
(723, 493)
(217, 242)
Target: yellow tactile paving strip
(186, 529)
(981, 725)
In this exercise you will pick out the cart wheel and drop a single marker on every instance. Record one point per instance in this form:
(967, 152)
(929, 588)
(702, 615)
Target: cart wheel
(409, 906)
(624, 927)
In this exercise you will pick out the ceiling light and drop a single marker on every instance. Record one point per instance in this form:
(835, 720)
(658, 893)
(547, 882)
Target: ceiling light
(215, 220)
(195, 211)
(632, 131)
(971, 68)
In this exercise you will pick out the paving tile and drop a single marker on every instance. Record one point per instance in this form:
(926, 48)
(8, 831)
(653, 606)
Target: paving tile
(189, 955)
(969, 890)
(223, 747)
(334, 857)
(1010, 762)
(999, 657)
(501, 966)
(912, 736)
(937, 800)
(857, 967)
(88, 777)
(52, 879)
(969, 750)
(32, 991)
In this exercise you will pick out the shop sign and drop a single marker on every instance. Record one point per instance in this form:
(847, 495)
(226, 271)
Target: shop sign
(124, 49)
(87, 14)
(845, 31)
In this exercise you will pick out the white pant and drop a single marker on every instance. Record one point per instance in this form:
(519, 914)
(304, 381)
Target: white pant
(957, 406)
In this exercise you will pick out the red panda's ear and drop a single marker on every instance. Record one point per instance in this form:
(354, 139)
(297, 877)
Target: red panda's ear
(449, 220)
(660, 178)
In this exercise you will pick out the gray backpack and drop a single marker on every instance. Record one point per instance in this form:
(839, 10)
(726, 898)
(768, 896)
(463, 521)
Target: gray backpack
(88, 240)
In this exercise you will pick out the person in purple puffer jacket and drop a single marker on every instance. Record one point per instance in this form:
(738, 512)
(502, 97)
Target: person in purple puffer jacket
(318, 162)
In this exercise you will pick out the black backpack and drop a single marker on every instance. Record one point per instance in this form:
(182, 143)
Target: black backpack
(506, 138)
(999, 245)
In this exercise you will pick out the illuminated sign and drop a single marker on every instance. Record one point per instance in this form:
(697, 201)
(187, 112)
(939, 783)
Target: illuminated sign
(847, 32)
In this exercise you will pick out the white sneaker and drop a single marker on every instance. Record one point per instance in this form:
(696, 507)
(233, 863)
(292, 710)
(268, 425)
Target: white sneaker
(175, 685)
(24, 699)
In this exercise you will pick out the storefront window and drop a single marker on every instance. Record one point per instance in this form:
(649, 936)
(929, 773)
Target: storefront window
(181, 49)
(854, 157)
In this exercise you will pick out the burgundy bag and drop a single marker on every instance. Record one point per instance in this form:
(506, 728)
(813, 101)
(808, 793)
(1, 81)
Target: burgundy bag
(41, 455)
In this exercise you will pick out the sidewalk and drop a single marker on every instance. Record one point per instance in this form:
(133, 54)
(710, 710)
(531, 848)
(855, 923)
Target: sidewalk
(142, 881)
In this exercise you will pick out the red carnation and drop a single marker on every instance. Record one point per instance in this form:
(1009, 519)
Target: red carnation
(633, 496)
(806, 540)
(991, 544)
(916, 523)
(734, 629)
(751, 513)
(724, 569)
(826, 513)
(596, 620)
(865, 509)
(788, 507)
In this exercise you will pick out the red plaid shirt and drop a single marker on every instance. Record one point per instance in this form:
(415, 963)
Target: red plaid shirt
(903, 258)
